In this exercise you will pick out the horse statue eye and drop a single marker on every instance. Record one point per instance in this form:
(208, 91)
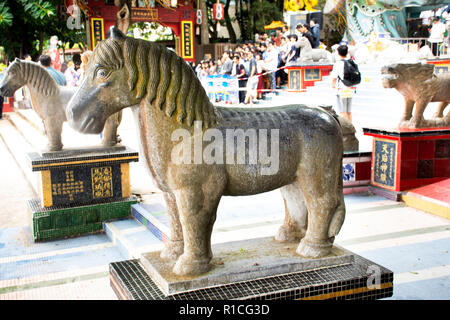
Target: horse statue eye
(102, 73)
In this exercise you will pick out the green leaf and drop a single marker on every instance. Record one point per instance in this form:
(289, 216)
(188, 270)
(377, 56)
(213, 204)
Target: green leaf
(6, 18)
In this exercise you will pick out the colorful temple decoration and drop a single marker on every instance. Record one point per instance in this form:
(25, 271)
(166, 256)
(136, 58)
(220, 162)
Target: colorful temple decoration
(364, 17)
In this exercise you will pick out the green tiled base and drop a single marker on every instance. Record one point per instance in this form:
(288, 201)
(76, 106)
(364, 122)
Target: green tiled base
(59, 222)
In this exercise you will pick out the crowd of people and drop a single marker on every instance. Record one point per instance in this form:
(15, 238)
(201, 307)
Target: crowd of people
(259, 65)
(66, 73)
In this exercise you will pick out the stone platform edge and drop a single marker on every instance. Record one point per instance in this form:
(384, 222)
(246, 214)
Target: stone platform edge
(239, 261)
(362, 280)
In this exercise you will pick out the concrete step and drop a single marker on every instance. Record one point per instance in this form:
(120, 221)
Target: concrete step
(32, 133)
(372, 100)
(131, 238)
(19, 146)
(32, 118)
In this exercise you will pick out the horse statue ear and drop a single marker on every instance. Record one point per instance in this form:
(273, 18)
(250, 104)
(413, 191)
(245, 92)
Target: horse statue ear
(116, 33)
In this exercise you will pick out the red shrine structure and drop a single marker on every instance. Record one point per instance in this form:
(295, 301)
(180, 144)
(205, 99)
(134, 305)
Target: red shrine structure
(175, 14)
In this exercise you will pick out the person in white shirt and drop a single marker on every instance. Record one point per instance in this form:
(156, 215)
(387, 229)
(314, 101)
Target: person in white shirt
(271, 62)
(343, 99)
(426, 17)
(436, 35)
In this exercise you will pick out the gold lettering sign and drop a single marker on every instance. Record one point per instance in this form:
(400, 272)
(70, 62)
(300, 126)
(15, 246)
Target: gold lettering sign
(70, 187)
(97, 31)
(385, 163)
(186, 40)
(144, 14)
(102, 185)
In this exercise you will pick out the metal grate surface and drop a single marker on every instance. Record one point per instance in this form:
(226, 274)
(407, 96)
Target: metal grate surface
(131, 282)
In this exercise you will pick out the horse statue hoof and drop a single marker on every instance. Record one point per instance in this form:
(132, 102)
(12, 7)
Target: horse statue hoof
(56, 147)
(308, 249)
(289, 234)
(187, 266)
(109, 143)
(172, 250)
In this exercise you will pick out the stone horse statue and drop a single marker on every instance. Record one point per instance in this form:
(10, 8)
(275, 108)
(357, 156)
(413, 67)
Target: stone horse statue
(48, 100)
(168, 100)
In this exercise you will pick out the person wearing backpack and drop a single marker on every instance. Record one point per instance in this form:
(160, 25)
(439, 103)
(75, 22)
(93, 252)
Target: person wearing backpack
(344, 76)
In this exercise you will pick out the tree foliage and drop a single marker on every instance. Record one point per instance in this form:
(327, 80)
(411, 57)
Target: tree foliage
(6, 17)
(251, 17)
(26, 24)
(152, 31)
(38, 9)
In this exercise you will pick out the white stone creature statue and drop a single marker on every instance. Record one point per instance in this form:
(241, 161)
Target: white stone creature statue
(308, 54)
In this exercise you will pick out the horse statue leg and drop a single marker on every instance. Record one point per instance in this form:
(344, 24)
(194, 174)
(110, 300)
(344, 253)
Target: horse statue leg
(110, 137)
(322, 188)
(174, 247)
(296, 214)
(53, 129)
(197, 207)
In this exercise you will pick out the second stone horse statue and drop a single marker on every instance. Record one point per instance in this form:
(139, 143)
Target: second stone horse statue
(48, 100)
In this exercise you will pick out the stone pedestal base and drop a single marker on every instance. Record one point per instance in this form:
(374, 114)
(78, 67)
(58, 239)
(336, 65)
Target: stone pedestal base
(255, 269)
(404, 159)
(80, 189)
(305, 75)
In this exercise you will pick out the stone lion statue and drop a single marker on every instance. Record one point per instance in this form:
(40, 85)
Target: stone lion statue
(170, 105)
(419, 85)
(308, 54)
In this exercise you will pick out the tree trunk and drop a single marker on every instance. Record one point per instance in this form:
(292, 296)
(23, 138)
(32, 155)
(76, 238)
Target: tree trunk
(41, 42)
(11, 43)
(204, 33)
(228, 23)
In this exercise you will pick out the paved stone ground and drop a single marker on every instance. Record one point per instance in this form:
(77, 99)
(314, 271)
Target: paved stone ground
(412, 243)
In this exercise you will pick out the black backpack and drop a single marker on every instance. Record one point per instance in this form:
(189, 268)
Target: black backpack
(352, 76)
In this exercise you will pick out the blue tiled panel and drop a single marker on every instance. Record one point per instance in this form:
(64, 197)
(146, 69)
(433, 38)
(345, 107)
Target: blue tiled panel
(136, 211)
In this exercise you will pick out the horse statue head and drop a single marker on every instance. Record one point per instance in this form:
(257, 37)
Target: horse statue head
(21, 73)
(153, 75)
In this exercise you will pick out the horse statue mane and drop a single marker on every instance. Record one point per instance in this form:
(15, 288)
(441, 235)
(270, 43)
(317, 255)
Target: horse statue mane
(35, 76)
(160, 76)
